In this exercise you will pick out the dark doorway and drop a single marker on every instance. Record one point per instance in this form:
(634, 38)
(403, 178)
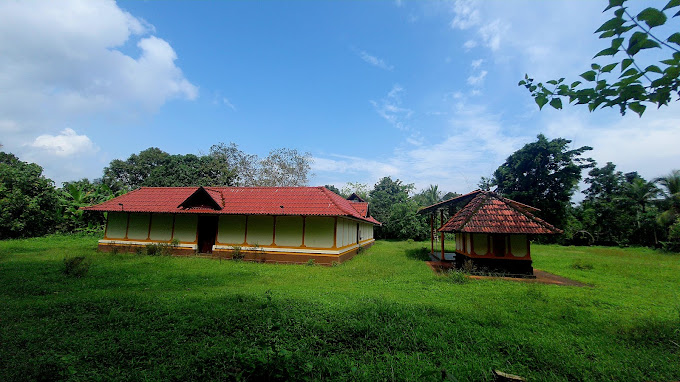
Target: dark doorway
(358, 235)
(207, 231)
(498, 245)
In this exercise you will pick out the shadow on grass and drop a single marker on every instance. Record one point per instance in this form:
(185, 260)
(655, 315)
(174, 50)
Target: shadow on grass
(420, 254)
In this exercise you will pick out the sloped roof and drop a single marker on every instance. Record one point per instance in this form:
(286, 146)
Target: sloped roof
(361, 207)
(463, 199)
(355, 198)
(489, 212)
(235, 201)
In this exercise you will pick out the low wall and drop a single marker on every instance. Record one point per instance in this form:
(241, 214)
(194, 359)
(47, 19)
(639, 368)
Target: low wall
(262, 255)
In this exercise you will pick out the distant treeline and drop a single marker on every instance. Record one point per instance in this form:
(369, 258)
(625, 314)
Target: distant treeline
(618, 209)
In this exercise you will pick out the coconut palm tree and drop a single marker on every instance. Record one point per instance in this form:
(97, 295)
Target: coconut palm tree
(671, 192)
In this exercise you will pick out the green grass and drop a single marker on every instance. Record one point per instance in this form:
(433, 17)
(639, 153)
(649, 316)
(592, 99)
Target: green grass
(381, 316)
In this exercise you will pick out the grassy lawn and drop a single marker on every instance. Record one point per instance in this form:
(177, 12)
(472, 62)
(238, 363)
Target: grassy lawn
(381, 316)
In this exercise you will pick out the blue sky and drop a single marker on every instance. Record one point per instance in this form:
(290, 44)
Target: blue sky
(421, 91)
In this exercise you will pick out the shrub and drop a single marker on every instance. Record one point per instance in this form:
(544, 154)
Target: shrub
(310, 262)
(469, 266)
(236, 253)
(673, 243)
(76, 266)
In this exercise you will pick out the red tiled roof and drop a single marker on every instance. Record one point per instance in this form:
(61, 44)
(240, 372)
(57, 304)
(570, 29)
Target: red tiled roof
(361, 207)
(236, 200)
(489, 212)
(464, 199)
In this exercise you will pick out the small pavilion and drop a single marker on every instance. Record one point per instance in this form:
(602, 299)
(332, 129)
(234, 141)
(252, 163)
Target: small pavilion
(491, 231)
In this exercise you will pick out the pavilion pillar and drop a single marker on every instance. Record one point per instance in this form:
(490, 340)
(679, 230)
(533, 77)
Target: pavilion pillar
(441, 220)
(432, 233)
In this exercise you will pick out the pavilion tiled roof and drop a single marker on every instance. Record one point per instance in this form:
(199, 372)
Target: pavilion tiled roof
(317, 201)
(489, 212)
(361, 207)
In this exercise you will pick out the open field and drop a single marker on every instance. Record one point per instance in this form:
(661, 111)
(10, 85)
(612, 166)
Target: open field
(382, 316)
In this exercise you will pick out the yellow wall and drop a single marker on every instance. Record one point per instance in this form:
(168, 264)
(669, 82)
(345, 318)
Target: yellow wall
(480, 244)
(319, 231)
(468, 245)
(518, 245)
(161, 227)
(186, 226)
(260, 230)
(289, 231)
(116, 225)
(138, 227)
(232, 229)
(459, 242)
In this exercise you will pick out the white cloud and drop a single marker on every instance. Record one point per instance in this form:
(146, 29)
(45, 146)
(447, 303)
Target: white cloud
(474, 144)
(391, 110)
(67, 143)
(375, 61)
(469, 44)
(477, 80)
(67, 62)
(228, 103)
(466, 14)
(476, 63)
(648, 145)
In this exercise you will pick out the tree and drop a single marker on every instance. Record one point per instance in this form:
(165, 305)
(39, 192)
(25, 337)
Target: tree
(334, 189)
(543, 174)
(604, 205)
(29, 204)
(634, 88)
(671, 191)
(81, 193)
(285, 168)
(360, 189)
(387, 196)
(231, 161)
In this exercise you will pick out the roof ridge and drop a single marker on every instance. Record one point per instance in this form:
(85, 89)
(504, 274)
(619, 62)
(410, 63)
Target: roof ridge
(326, 192)
(474, 210)
(527, 214)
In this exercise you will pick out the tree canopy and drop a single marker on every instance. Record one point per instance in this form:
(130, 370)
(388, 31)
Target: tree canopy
(29, 203)
(639, 82)
(543, 174)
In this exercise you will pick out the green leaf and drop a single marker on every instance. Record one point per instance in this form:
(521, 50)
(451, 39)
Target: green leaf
(600, 85)
(653, 68)
(541, 100)
(669, 62)
(610, 24)
(637, 107)
(671, 4)
(635, 42)
(552, 82)
(606, 52)
(652, 17)
(619, 12)
(626, 63)
(614, 3)
(609, 68)
(629, 72)
(674, 38)
(607, 34)
(556, 103)
(616, 43)
(595, 66)
(589, 75)
(575, 84)
(521, 83)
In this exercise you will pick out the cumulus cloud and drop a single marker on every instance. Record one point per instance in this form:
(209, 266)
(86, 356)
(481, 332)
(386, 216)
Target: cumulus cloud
(67, 143)
(469, 44)
(66, 63)
(63, 60)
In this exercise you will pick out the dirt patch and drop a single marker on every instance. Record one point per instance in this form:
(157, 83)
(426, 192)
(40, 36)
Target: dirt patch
(541, 277)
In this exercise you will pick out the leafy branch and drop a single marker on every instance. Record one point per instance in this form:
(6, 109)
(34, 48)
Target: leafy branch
(634, 88)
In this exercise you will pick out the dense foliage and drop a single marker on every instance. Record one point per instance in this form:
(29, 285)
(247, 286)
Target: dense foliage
(543, 174)
(642, 80)
(29, 203)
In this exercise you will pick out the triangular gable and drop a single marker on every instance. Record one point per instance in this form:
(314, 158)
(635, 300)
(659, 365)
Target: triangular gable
(355, 198)
(488, 212)
(201, 198)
